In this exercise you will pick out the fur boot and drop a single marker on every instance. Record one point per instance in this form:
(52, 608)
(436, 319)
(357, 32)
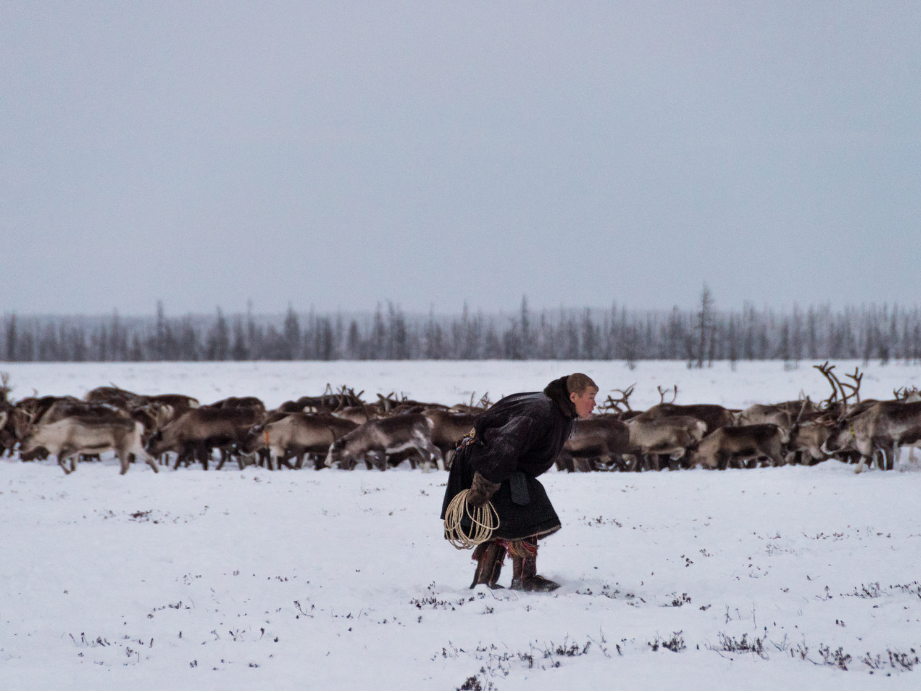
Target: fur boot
(489, 557)
(524, 569)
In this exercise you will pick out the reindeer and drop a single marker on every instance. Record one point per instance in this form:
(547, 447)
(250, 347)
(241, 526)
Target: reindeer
(838, 411)
(166, 408)
(74, 435)
(806, 441)
(473, 407)
(68, 407)
(382, 437)
(5, 387)
(680, 425)
(845, 397)
(7, 439)
(736, 443)
(359, 414)
(783, 414)
(604, 438)
(390, 404)
(621, 405)
(802, 435)
(447, 429)
(330, 401)
(153, 412)
(664, 435)
(299, 434)
(908, 395)
(123, 399)
(238, 403)
(29, 411)
(883, 426)
(199, 430)
(713, 415)
(25, 415)
(7, 436)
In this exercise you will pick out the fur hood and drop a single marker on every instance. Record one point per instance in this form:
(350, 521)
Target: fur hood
(557, 391)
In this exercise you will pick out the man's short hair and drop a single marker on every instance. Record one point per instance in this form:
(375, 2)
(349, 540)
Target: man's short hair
(579, 383)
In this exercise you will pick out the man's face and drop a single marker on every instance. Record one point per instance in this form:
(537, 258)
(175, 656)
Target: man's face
(584, 402)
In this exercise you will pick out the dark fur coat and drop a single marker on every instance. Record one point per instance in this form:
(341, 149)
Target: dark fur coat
(517, 440)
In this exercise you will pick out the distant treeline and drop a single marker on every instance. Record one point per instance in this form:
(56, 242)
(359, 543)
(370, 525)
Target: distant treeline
(699, 336)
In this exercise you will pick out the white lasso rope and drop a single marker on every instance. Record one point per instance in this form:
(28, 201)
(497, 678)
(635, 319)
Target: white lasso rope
(485, 521)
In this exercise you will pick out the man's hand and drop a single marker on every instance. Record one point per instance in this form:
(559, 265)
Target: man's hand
(481, 491)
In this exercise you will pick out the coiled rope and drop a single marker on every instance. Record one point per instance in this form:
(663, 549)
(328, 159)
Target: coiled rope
(484, 521)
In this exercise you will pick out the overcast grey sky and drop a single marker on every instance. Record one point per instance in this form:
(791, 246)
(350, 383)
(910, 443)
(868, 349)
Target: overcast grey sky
(337, 154)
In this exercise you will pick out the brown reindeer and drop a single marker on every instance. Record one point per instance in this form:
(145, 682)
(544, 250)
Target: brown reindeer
(736, 443)
(883, 426)
(447, 429)
(664, 435)
(199, 430)
(297, 434)
(714, 416)
(380, 438)
(602, 439)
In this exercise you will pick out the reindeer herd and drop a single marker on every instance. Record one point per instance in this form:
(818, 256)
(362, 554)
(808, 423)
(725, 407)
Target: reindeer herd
(340, 429)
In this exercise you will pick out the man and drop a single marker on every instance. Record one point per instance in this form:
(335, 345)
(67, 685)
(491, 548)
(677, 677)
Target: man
(512, 443)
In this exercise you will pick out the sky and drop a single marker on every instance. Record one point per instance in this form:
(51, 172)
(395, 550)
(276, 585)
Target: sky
(338, 154)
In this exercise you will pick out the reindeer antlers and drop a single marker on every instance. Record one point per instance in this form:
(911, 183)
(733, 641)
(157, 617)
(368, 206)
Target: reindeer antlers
(482, 403)
(826, 370)
(5, 388)
(663, 392)
(838, 387)
(905, 392)
(855, 388)
(615, 404)
(802, 410)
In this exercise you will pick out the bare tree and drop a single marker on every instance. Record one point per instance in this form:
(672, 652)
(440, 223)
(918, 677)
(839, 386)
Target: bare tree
(705, 322)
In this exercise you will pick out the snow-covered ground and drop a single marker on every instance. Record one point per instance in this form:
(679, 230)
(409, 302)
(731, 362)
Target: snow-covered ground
(745, 579)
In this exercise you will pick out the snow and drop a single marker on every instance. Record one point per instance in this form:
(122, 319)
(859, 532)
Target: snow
(334, 579)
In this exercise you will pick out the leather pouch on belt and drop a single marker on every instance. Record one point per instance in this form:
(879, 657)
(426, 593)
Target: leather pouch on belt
(519, 486)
